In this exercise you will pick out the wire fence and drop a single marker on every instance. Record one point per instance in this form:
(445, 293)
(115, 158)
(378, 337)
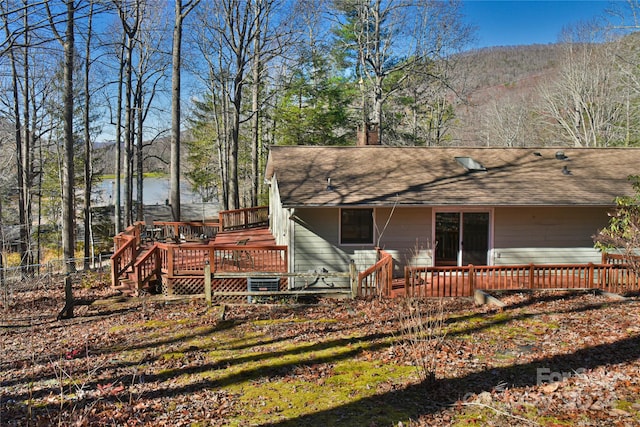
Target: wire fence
(44, 277)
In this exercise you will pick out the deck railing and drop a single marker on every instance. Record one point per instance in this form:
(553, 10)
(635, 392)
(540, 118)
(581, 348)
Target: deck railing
(124, 257)
(250, 258)
(244, 218)
(463, 281)
(147, 267)
(190, 259)
(377, 279)
(170, 230)
(133, 231)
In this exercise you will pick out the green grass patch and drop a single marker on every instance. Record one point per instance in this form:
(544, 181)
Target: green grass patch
(312, 389)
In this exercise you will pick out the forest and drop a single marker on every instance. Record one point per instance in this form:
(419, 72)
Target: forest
(199, 90)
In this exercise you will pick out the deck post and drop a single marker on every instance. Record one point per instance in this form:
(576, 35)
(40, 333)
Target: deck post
(207, 283)
(472, 280)
(115, 280)
(531, 274)
(353, 278)
(170, 260)
(407, 272)
(389, 278)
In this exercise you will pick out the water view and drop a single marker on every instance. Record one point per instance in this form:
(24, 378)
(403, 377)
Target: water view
(156, 192)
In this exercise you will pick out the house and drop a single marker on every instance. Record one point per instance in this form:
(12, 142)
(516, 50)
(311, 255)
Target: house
(443, 206)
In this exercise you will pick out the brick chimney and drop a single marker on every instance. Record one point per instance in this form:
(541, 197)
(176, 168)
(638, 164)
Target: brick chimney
(369, 136)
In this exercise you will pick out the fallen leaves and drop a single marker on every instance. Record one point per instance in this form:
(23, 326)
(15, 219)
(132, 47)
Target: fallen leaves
(550, 359)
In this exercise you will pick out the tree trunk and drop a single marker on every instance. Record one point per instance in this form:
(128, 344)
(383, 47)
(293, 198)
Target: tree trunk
(68, 205)
(255, 107)
(128, 132)
(174, 195)
(27, 165)
(67, 310)
(22, 216)
(88, 149)
(118, 165)
(139, 155)
(234, 195)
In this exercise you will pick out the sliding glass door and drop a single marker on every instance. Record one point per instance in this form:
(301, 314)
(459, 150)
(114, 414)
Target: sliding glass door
(462, 238)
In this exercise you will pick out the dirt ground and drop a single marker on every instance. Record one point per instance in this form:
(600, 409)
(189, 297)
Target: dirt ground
(550, 359)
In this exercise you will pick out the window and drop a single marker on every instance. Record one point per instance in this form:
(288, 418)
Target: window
(356, 226)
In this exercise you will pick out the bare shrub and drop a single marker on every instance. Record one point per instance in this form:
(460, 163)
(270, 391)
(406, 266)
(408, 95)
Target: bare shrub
(423, 331)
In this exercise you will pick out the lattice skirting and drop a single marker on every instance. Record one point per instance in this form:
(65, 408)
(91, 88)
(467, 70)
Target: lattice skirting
(193, 285)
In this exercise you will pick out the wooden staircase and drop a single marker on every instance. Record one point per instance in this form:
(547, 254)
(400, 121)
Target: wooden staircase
(127, 285)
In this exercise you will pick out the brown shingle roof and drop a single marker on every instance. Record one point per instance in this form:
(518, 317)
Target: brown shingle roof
(425, 176)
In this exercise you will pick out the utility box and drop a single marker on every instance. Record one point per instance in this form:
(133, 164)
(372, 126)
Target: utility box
(262, 284)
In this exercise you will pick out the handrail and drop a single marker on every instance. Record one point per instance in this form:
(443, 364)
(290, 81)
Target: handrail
(463, 281)
(377, 279)
(146, 267)
(123, 258)
(244, 218)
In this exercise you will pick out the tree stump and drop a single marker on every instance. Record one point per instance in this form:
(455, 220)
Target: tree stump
(67, 310)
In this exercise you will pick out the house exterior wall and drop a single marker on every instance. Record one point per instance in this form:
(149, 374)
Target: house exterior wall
(316, 244)
(405, 233)
(546, 235)
(520, 236)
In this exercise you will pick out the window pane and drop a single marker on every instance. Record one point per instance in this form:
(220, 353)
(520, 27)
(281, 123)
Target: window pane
(356, 226)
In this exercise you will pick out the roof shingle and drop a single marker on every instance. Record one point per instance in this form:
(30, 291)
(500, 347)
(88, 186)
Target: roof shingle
(428, 176)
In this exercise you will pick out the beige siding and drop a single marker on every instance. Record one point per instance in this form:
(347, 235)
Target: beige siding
(315, 239)
(407, 236)
(546, 235)
(278, 216)
(520, 236)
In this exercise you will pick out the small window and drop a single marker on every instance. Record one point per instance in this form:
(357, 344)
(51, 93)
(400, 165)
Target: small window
(356, 226)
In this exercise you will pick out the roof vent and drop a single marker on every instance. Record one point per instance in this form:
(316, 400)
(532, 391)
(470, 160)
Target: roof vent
(470, 164)
(560, 155)
(329, 186)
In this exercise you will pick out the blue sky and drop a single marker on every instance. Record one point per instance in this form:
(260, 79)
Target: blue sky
(513, 22)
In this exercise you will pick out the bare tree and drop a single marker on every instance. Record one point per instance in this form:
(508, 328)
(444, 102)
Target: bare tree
(88, 146)
(118, 143)
(150, 72)
(243, 37)
(23, 204)
(181, 12)
(584, 101)
(396, 39)
(68, 205)
(506, 122)
(130, 16)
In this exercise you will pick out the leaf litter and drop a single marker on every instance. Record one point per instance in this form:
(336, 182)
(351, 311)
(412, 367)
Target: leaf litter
(553, 358)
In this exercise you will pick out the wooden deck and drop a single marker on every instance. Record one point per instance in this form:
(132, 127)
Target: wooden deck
(172, 258)
(259, 236)
(613, 275)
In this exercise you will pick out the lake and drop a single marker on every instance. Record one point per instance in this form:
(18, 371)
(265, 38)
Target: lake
(156, 192)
